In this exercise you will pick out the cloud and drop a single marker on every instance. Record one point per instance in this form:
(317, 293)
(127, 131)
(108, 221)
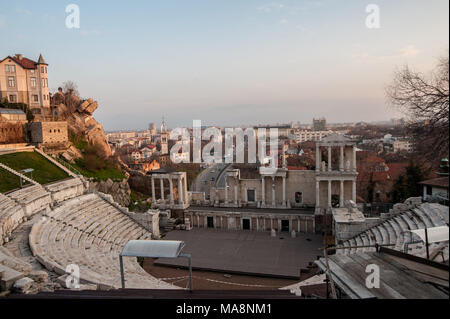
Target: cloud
(22, 10)
(409, 50)
(269, 7)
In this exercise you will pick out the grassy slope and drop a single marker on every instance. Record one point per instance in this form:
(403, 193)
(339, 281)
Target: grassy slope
(106, 171)
(8, 181)
(44, 171)
(101, 174)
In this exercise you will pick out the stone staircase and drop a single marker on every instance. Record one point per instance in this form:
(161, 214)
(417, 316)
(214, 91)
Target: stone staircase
(170, 225)
(69, 171)
(6, 168)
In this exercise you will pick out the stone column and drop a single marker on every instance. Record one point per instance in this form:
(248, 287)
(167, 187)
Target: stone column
(329, 193)
(153, 190)
(180, 191)
(171, 190)
(354, 191)
(329, 158)
(185, 194)
(216, 196)
(161, 184)
(284, 191)
(263, 192)
(341, 159)
(235, 192)
(273, 191)
(318, 161)
(226, 189)
(341, 194)
(317, 193)
(354, 158)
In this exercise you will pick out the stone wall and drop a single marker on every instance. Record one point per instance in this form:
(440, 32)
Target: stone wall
(143, 183)
(48, 132)
(120, 191)
(11, 133)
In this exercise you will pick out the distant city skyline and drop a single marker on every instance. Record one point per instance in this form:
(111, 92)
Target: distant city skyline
(229, 62)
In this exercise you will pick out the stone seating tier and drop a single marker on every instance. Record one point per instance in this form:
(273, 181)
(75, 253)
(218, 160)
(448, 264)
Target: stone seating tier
(90, 232)
(395, 231)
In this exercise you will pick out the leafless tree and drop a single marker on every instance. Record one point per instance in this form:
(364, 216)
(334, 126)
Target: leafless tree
(425, 102)
(71, 88)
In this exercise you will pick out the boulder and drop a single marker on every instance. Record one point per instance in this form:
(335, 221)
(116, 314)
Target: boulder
(23, 285)
(39, 275)
(91, 107)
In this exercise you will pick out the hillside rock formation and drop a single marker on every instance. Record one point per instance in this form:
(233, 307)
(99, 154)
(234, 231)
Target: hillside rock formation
(78, 114)
(120, 191)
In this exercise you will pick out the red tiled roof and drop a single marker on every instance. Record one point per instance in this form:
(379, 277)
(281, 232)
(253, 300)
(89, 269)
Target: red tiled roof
(439, 182)
(373, 159)
(296, 168)
(24, 62)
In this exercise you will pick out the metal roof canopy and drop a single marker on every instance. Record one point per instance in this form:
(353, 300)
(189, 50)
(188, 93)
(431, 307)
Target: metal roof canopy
(11, 111)
(434, 234)
(154, 249)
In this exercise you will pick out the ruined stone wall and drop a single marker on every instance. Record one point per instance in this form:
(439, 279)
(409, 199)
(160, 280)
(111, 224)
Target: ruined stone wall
(48, 132)
(120, 191)
(11, 133)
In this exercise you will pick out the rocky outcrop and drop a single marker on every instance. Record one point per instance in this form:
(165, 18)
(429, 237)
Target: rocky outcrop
(88, 106)
(120, 191)
(71, 154)
(78, 114)
(141, 183)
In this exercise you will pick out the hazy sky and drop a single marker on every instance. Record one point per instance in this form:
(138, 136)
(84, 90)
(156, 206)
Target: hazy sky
(230, 61)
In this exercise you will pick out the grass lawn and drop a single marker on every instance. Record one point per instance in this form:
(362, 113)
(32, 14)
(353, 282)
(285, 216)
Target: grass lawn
(8, 181)
(101, 174)
(44, 171)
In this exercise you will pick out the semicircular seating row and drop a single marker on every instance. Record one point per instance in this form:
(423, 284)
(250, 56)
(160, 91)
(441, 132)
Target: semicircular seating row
(395, 231)
(90, 232)
(21, 204)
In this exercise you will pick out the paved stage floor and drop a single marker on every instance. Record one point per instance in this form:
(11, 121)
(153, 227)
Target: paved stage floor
(246, 252)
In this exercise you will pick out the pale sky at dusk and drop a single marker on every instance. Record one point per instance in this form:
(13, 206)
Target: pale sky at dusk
(228, 62)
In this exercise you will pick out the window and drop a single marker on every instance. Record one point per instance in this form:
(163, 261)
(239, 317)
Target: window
(32, 71)
(298, 197)
(35, 98)
(10, 68)
(12, 98)
(42, 69)
(429, 190)
(11, 81)
(33, 82)
(250, 195)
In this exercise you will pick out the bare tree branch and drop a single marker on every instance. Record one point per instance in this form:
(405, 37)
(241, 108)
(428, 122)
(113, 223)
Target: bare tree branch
(425, 102)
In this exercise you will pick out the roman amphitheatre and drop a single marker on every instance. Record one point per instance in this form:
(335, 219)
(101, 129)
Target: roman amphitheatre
(46, 227)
